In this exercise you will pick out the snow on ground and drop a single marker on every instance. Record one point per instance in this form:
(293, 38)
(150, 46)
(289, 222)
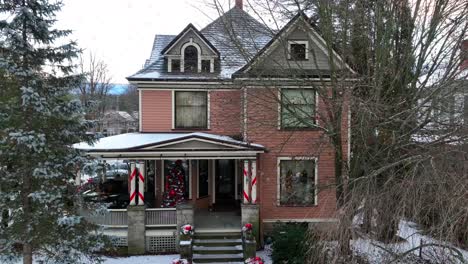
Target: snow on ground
(377, 252)
(163, 259)
(159, 259)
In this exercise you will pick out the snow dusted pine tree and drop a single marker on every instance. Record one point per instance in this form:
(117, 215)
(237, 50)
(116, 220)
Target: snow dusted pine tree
(39, 121)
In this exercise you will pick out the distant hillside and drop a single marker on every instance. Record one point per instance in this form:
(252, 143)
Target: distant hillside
(118, 89)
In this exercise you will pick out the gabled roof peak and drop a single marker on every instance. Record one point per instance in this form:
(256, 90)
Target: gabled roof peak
(189, 27)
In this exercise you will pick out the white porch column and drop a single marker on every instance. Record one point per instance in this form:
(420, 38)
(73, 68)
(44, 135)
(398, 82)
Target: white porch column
(141, 183)
(254, 181)
(247, 189)
(132, 180)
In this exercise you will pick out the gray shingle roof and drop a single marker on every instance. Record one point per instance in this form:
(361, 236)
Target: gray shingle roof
(236, 35)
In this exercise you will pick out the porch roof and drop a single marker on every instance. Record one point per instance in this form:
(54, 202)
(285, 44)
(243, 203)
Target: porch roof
(173, 145)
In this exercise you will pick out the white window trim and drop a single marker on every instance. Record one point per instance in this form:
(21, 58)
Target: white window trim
(299, 88)
(173, 109)
(208, 118)
(140, 115)
(304, 42)
(278, 179)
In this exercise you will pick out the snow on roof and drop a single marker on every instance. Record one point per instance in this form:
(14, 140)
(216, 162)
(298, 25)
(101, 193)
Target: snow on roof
(251, 35)
(135, 140)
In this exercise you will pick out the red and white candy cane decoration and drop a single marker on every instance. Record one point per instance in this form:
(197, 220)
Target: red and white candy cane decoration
(132, 179)
(141, 183)
(246, 182)
(254, 181)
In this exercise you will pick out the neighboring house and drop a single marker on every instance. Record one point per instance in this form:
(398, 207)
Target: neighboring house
(117, 122)
(218, 105)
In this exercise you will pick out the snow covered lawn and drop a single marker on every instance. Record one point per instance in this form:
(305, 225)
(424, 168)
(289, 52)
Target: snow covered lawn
(377, 252)
(159, 259)
(163, 259)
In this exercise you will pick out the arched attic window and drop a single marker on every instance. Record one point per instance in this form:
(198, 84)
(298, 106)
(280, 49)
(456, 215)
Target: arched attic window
(191, 59)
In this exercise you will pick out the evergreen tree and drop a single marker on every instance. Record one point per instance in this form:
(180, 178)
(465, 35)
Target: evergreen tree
(39, 122)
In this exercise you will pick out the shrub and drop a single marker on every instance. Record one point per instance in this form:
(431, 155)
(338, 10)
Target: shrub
(289, 243)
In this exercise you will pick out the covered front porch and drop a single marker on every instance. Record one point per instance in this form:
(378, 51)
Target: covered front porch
(216, 175)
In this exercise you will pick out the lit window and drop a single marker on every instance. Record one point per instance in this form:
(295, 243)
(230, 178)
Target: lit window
(297, 183)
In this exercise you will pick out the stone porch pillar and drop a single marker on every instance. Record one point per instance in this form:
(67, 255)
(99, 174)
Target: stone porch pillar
(136, 214)
(185, 215)
(136, 230)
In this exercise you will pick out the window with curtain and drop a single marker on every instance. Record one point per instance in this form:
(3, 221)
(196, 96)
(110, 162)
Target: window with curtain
(297, 108)
(191, 109)
(297, 183)
(202, 178)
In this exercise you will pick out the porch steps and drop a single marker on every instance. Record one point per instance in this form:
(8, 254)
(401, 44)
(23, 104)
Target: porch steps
(217, 247)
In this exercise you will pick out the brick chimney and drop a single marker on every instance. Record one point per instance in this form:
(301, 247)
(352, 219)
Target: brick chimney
(464, 54)
(240, 4)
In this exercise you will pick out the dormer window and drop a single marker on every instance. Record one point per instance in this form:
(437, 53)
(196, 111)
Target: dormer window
(206, 66)
(190, 52)
(298, 50)
(190, 59)
(175, 65)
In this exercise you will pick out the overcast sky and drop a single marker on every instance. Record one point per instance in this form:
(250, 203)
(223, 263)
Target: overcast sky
(121, 32)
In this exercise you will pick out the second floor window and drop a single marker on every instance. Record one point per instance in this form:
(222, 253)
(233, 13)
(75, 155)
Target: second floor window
(297, 108)
(191, 109)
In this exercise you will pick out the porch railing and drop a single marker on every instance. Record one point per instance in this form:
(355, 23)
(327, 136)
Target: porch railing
(112, 217)
(155, 217)
(161, 217)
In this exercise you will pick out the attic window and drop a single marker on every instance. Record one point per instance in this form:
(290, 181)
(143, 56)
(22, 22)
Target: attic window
(191, 59)
(298, 50)
(206, 66)
(175, 65)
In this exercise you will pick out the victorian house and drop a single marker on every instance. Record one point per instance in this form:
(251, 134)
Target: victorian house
(234, 108)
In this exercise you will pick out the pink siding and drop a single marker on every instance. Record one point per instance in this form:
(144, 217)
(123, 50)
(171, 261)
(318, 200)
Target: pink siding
(156, 111)
(225, 110)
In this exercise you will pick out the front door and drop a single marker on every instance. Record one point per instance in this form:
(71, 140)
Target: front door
(225, 184)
